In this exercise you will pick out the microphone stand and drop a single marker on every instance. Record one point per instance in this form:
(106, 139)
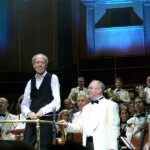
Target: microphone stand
(54, 126)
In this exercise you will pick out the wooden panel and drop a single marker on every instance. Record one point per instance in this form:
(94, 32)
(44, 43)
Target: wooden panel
(4, 34)
(132, 69)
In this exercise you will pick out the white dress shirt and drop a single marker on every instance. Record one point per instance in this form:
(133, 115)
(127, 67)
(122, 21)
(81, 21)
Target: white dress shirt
(123, 95)
(147, 91)
(55, 104)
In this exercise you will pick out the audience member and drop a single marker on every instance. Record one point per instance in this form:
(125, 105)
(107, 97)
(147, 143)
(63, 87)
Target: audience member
(99, 121)
(5, 114)
(147, 89)
(41, 99)
(80, 89)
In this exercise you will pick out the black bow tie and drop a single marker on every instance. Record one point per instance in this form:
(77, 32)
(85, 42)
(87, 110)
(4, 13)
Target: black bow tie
(2, 115)
(80, 89)
(117, 90)
(96, 101)
(140, 115)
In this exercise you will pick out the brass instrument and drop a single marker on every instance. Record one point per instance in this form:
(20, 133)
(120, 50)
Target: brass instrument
(109, 93)
(37, 121)
(139, 88)
(74, 97)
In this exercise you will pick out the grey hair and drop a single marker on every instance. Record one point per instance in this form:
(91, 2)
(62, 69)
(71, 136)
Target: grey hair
(45, 58)
(99, 84)
(86, 96)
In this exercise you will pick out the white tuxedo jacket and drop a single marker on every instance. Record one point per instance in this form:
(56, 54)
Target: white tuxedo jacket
(136, 122)
(147, 90)
(105, 124)
(6, 127)
(77, 91)
(123, 95)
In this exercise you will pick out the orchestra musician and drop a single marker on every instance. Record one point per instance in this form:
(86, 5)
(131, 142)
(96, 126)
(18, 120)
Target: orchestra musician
(5, 114)
(99, 121)
(139, 122)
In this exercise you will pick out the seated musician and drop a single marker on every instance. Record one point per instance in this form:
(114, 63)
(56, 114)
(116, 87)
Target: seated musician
(124, 116)
(82, 100)
(139, 121)
(20, 127)
(5, 128)
(20, 115)
(61, 134)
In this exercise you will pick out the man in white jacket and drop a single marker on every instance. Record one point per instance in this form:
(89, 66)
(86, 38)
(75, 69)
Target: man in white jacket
(147, 89)
(5, 128)
(99, 121)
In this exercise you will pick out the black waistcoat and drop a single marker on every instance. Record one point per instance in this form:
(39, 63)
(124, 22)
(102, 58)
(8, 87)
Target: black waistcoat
(42, 96)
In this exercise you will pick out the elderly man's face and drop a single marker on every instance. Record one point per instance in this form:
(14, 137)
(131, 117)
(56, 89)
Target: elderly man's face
(93, 91)
(39, 65)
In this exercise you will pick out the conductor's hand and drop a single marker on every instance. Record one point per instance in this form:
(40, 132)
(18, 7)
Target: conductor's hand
(39, 114)
(63, 122)
(32, 115)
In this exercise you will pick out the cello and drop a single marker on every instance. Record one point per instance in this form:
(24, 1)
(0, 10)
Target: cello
(140, 140)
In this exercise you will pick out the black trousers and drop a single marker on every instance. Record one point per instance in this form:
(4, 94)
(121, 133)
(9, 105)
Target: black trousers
(89, 143)
(46, 134)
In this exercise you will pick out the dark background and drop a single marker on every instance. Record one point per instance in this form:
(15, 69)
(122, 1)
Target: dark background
(57, 28)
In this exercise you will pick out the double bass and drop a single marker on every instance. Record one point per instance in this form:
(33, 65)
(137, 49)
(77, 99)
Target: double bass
(141, 140)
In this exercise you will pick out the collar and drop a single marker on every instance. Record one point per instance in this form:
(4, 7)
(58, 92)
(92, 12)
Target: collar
(140, 115)
(97, 100)
(42, 76)
(117, 90)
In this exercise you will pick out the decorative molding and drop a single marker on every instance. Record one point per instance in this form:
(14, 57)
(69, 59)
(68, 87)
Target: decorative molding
(90, 2)
(94, 2)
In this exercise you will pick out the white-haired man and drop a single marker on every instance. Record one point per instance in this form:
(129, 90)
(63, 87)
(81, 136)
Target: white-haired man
(41, 97)
(99, 122)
